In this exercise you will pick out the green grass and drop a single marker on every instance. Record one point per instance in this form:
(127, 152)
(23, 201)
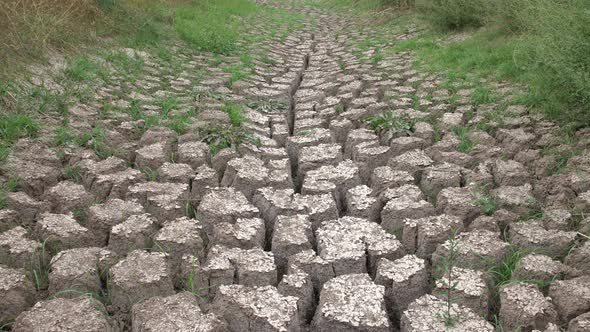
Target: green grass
(465, 143)
(235, 113)
(213, 26)
(219, 137)
(14, 126)
(388, 121)
(83, 69)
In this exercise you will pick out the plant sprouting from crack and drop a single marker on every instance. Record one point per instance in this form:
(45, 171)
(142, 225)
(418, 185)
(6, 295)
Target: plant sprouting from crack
(219, 137)
(396, 125)
(446, 269)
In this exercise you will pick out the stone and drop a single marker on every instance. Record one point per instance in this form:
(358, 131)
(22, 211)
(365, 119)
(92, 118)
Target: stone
(62, 315)
(68, 196)
(580, 323)
(539, 268)
(579, 258)
(351, 302)
(27, 208)
(397, 210)
(178, 312)
(141, 275)
(194, 154)
(17, 293)
(245, 233)
(353, 245)
(361, 203)
(405, 279)
(178, 237)
(476, 249)
(422, 236)
(531, 235)
(523, 306)
(252, 309)
(385, 177)
(571, 297)
(151, 157)
(292, 234)
(175, 172)
(427, 312)
(133, 233)
(414, 162)
(61, 231)
(469, 288)
(17, 250)
(79, 270)
(510, 173)
(298, 284)
(438, 177)
(250, 267)
(102, 217)
(233, 205)
(458, 202)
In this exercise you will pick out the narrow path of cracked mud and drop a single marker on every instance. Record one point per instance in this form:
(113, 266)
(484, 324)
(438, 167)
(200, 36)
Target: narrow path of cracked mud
(311, 221)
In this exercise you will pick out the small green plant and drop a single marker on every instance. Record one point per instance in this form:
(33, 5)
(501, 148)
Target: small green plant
(485, 201)
(465, 143)
(12, 184)
(235, 113)
(96, 141)
(190, 211)
(39, 266)
(219, 137)
(82, 69)
(191, 283)
(446, 268)
(340, 109)
(81, 215)
(14, 126)
(150, 174)
(73, 173)
(398, 125)
(167, 104)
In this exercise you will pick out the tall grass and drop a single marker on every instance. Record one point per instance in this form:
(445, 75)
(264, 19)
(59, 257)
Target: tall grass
(541, 43)
(213, 25)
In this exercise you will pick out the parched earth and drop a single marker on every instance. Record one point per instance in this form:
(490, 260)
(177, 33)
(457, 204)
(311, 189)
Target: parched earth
(317, 224)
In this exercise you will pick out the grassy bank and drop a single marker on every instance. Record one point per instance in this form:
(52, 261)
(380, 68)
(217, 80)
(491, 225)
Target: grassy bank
(540, 43)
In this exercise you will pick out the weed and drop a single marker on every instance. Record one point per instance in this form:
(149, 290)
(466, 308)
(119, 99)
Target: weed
(192, 281)
(150, 174)
(235, 113)
(268, 105)
(73, 173)
(465, 143)
(96, 141)
(399, 125)
(213, 25)
(190, 211)
(14, 126)
(340, 109)
(219, 137)
(82, 69)
(446, 270)
(12, 184)
(63, 136)
(81, 215)
(39, 266)
(167, 104)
